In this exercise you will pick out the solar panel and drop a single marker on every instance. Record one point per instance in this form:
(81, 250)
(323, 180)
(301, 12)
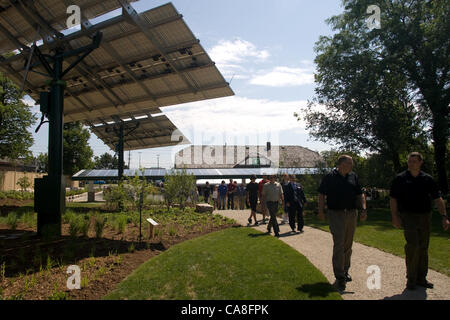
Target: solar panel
(153, 131)
(235, 173)
(18, 19)
(144, 62)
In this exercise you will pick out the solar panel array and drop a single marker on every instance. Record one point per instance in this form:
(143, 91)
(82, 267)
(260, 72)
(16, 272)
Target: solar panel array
(145, 61)
(18, 19)
(239, 173)
(153, 131)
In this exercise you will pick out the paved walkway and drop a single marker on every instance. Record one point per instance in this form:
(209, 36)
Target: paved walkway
(316, 245)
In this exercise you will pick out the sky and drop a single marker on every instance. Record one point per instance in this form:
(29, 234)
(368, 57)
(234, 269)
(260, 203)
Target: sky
(265, 49)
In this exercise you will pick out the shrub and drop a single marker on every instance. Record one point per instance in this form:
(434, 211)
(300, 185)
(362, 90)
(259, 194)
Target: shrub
(99, 225)
(29, 219)
(12, 220)
(75, 226)
(84, 225)
(121, 223)
(115, 197)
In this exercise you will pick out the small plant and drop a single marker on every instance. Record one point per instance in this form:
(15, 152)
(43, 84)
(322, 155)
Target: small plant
(74, 226)
(102, 271)
(172, 231)
(99, 225)
(58, 295)
(131, 248)
(92, 261)
(49, 264)
(84, 282)
(12, 220)
(84, 226)
(2, 271)
(28, 219)
(121, 223)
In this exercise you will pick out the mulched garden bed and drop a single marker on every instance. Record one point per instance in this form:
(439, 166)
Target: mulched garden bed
(31, 268)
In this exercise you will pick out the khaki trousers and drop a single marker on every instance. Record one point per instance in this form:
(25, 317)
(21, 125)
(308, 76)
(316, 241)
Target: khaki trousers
(342, 227)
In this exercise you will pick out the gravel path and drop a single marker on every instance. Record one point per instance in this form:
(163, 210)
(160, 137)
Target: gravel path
(316, 245)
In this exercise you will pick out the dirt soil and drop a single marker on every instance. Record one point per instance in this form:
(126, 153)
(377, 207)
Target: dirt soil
(33, 268)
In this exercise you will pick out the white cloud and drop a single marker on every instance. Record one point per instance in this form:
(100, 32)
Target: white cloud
(284, 77)
(235, 116)
(233, 57)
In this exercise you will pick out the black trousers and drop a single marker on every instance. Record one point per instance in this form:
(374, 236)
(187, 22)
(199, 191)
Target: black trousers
(272, 206)
(296, 211)
(416, 228)
(231, 201)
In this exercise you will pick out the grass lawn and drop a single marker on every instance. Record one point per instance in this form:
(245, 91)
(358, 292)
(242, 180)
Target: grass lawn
(235, 263)
(377, 231)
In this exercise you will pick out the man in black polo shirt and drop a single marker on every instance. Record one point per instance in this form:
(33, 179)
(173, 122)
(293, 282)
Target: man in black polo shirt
(343, 195)
(411, 194)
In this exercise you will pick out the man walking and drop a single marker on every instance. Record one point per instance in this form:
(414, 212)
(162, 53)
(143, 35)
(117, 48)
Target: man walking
(295, 200)
(252, 198)
(272, 194)
(284, 184)
(342, 191)
(263, 204)
(411, 194)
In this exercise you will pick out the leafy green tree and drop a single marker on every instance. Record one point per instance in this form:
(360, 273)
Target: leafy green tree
(24, 183)
(368, 105)
(77, 154)
(15, 120)
(178, 186)
(42, 162)
(106, 161)
(412, 45)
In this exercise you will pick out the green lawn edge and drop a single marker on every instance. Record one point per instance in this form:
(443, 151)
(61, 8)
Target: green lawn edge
(232, 264)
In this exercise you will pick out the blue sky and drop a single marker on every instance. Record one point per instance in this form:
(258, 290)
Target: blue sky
(267, 49)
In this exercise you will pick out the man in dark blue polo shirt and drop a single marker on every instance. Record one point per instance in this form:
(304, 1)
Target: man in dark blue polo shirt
(343, 195)
(411, 195)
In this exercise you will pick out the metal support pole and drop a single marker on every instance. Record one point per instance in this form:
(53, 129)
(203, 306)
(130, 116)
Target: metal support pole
(50, 191)
(56, 122)
(120, 151)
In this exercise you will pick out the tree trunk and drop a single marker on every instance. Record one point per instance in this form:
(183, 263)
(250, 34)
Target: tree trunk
(396, 162)
(440, 139)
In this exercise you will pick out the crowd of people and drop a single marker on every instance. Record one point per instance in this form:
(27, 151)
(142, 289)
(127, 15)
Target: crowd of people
(411, 196)
(268, 193)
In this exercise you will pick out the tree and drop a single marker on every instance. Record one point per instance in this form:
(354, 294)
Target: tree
(412, 43)
(368, 105)
(106, 161)
(42, 162)
(178, 186)
(77, 154)
(15, 119)
(24, 183)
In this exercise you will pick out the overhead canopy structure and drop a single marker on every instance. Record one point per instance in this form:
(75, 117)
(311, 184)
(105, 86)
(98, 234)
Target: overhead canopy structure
(148, 132)
(144, 62)
(19, 19)
(158, 174)
(126, 67)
